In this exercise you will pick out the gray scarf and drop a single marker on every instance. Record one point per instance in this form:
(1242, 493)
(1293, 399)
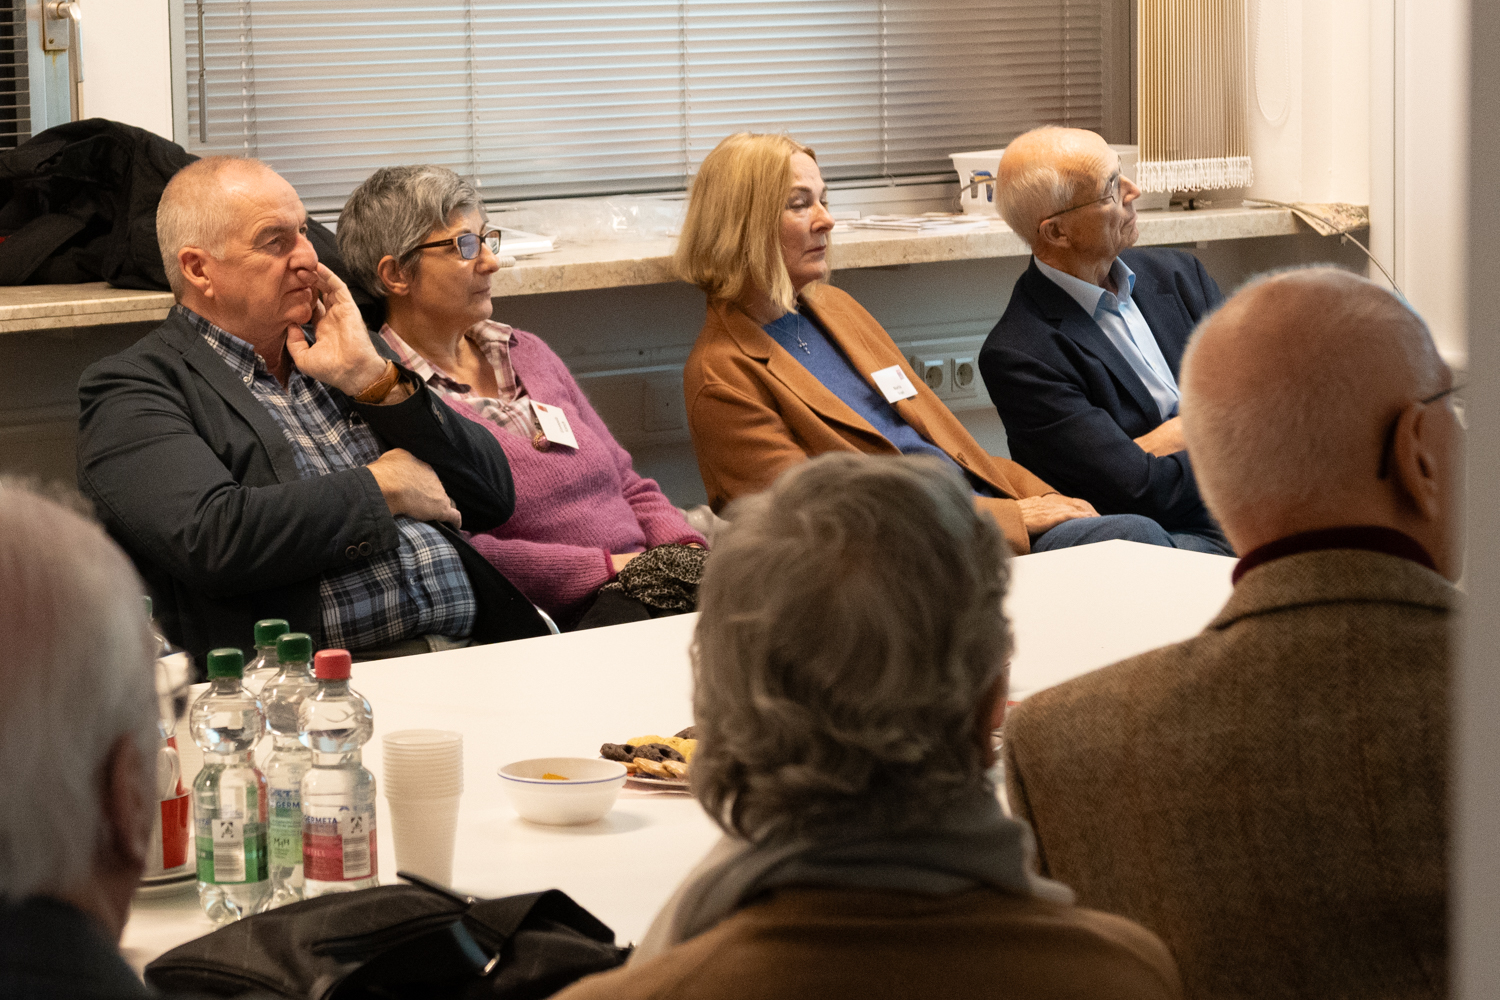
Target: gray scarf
(973, 846)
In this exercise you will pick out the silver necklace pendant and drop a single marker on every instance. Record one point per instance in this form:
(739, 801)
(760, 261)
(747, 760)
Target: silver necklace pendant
(803, 344)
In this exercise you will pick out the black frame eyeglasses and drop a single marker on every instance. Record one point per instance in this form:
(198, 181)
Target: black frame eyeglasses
(468, 244)
(1390, 435)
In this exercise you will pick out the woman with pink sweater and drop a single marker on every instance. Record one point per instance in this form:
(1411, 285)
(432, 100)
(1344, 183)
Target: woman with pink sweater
(418, 237)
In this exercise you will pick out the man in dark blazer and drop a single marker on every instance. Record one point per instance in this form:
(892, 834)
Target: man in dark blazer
(255, 470)
(1083, 364)
(1270, 796)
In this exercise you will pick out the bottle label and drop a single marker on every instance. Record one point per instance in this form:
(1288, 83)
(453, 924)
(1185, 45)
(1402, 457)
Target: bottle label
(285, 839)
(338, 842)
(231, 846)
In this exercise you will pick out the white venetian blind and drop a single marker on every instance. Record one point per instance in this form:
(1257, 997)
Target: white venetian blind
(558, 98)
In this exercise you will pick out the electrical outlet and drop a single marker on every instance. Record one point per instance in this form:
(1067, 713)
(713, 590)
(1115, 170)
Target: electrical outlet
(961, 375)
(934, 372)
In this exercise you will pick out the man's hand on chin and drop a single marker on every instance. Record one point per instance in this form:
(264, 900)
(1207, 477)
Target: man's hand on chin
(342, 355)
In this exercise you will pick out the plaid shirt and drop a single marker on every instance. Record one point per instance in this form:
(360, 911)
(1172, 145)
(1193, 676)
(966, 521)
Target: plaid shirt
(512, 410)
(419, 589)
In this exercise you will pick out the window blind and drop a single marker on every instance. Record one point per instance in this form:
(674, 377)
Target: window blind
(15, 84)
(557, 98)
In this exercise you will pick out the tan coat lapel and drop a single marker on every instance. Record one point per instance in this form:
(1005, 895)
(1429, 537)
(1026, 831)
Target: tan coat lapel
(757, 343)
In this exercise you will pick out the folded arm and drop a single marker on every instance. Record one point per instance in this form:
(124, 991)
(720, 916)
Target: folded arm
(465, 457)
(1079, 448)
(553, 576)
(165, 492)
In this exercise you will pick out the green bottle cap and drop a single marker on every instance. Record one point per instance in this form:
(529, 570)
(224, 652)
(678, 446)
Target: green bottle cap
(226, 663)
(267, 629)
(147, 599)
(294, 647)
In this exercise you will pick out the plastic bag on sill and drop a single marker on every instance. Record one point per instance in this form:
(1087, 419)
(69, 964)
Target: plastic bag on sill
(617, 219)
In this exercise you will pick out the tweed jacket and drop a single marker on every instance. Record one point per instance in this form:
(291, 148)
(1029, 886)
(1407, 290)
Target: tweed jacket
(1270, 796)
(873, 945)
(755, 411)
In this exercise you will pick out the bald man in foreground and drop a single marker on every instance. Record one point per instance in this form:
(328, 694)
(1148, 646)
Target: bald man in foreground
(1270, 797)
(258, 457)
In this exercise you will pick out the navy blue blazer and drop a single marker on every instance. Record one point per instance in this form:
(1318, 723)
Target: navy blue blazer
(1072, 405)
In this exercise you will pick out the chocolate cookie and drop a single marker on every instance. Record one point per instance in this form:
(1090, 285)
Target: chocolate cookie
(622, 752)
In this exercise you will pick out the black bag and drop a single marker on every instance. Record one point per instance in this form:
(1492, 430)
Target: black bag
(397, 941)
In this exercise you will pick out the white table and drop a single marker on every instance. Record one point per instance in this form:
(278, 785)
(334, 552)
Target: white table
(1072, 610)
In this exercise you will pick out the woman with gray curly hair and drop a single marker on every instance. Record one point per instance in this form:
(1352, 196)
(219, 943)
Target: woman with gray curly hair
(418, 237)
(849, 667)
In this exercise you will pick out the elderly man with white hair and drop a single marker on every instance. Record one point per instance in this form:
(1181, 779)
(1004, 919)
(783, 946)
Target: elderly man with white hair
(258, 457)
(1270, 796)
(1083, 364)
(78, 743)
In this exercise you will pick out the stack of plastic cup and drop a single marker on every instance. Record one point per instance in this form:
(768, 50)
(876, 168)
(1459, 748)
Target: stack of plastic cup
(423, 779)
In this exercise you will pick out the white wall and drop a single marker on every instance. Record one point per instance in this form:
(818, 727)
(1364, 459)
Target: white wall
(1309, 100)
(127, 63)
(1418, 147)
(1475, 792)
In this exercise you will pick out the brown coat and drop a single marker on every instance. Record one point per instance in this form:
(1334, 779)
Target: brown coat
(1269, 796)
(870, 945)
(754, 411)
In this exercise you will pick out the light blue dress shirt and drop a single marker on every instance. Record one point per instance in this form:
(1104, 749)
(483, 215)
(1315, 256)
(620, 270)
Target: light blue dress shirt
(1126, 329)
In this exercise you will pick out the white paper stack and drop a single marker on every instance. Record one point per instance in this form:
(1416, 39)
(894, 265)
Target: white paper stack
(923, 223)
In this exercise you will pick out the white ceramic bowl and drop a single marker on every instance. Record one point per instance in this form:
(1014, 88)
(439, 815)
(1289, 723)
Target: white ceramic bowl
(588, 794)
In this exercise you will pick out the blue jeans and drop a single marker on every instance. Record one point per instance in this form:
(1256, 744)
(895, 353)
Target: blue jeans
(1131, 528)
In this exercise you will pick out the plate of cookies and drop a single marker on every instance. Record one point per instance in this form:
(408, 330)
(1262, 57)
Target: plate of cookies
(655, 761)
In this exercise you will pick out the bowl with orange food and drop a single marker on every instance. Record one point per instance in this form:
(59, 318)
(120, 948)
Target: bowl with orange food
(563, 791)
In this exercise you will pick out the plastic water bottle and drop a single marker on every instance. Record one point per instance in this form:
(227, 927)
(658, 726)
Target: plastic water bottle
(288, 762)
(259, 671)
(338, 794)
(229, 795)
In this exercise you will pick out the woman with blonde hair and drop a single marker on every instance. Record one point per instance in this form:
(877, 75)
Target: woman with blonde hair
(788, 367)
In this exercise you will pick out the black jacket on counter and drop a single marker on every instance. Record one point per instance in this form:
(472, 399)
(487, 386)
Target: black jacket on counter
(196, 481)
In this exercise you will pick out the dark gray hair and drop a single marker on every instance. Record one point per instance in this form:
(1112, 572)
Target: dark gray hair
(850, 633)
(393, 211)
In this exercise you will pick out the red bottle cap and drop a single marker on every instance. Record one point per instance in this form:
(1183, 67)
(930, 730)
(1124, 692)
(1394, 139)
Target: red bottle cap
(332, 665)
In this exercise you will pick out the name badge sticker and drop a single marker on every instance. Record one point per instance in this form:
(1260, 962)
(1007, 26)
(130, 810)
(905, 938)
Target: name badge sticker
(554, 424)
(894, 384)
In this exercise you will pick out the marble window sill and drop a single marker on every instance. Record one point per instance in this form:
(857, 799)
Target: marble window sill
(616, 265)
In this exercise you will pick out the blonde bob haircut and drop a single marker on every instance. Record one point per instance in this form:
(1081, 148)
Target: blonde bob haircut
(731, 239)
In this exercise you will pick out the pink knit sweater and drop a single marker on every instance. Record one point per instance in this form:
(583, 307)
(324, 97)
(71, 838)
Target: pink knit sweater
(573, 507)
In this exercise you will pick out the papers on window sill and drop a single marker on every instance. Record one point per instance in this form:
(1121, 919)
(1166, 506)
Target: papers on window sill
(515, 243)
(935, 223)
